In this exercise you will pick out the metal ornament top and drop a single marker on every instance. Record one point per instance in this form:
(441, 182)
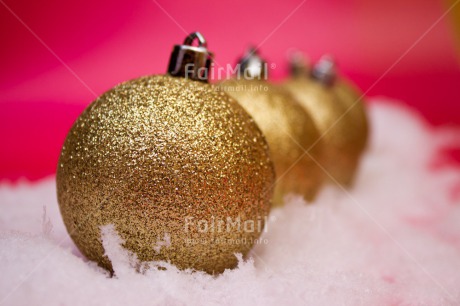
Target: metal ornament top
(325, 71)
(191, 62)
(299, 65)
(252, 66)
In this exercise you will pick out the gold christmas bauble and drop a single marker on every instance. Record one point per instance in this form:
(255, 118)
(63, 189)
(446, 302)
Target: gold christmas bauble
(340, 153)
(352, 98)
(336, 111)
(179, 168)
(289, 131)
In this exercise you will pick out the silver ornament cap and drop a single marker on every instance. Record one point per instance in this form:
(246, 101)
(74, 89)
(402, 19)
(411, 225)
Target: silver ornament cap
(252, 66)
(325, 71)
(299, 65)
(191, 62)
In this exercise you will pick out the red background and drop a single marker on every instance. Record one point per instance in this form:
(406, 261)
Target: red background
(107, 42)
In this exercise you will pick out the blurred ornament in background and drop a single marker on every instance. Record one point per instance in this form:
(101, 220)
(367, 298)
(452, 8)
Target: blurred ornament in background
(166, 159)
(299, 64)
(289, 130)
(336, 110)
(353, 99)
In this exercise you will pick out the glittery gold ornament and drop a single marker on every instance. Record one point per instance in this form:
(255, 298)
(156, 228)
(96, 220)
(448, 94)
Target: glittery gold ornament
(288, 128)
(353, 98)
(179, 168)
(343, 131)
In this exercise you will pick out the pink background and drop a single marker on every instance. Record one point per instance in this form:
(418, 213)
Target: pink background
(107, 42)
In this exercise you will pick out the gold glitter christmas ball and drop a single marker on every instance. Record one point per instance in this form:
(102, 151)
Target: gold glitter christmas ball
(179, 168)
(352, 98)
(340, 155)
(289, 130)
(343, 131)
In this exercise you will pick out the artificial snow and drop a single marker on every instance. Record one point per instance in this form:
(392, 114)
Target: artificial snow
(393, 239)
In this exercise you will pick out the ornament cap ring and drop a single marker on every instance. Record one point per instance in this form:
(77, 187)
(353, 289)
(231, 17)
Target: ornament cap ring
(324, 70)
(196, 36)
(252, 66)
(191, 62)
(299, 64)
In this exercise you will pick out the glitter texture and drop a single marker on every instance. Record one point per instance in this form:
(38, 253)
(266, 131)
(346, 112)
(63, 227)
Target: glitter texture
(289, 131)
(342, 141)
(155, 151)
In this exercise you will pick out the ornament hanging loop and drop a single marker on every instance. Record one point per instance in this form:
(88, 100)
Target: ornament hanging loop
(299, 65)
(191, 62)
(324, 71)
(252, 66)
(196, 36)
